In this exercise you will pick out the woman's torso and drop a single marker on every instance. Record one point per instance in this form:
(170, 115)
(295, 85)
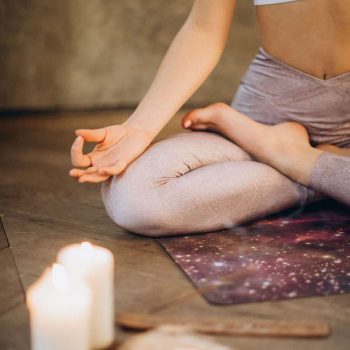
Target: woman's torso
(311, 35)
(302, 71)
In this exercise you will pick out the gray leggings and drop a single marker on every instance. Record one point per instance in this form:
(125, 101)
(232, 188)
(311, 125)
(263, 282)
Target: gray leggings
(198, 181)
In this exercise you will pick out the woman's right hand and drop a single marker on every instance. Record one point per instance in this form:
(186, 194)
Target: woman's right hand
(117, 146)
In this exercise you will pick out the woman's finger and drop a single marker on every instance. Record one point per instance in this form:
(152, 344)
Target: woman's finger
(78, 158)
(77, 172)
(96, 135)
(91, 170)
(113, 170)
(94, 178)
(80, 172)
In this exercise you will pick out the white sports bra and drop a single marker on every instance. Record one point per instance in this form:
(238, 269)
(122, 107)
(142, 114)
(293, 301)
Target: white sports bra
(269, 2)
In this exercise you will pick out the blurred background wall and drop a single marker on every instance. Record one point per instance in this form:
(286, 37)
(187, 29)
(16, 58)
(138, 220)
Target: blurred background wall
(88, 54)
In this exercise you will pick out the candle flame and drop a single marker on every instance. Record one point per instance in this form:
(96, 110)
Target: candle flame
(59, 278)
(86, 247)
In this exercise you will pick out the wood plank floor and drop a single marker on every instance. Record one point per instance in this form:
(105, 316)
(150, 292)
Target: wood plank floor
(45, 210)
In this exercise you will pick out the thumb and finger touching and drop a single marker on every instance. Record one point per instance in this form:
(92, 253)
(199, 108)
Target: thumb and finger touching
(101, 163)
(92, 135)
(78, 158)
(93, 172)
(105, 137)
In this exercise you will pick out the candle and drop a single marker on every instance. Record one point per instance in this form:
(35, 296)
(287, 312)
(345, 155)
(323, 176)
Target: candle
(96, 266)
(60, 311)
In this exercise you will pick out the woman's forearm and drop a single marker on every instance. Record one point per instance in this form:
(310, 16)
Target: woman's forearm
(191, 57)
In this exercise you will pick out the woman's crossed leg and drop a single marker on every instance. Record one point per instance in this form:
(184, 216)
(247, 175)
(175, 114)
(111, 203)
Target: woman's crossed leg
(197, 182)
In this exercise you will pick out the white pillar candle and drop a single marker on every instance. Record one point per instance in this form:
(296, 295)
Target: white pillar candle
(96, 266)
(60, 311)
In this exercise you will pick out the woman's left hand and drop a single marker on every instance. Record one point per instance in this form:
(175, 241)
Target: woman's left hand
(117, 146)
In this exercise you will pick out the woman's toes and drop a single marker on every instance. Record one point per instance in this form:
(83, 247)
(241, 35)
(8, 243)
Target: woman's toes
(220, 107)
(193, 118)
(187, 123)
(202, 118)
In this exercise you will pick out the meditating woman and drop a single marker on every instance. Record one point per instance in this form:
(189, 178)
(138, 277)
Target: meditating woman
(284, 142)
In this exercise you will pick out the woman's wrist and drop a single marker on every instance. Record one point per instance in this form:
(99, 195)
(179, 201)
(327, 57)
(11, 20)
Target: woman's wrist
(151, 127)
(139, 127)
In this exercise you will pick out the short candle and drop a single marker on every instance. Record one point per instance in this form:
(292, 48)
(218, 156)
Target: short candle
(60, 311)
(95, 265)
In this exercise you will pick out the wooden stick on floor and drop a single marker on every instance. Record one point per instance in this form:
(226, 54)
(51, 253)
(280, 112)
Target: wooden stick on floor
(241, 327)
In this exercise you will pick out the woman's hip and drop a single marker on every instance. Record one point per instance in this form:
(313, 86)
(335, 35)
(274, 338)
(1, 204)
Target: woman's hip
(272, 92)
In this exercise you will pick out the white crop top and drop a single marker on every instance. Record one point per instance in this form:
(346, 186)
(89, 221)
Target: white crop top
(269, 2)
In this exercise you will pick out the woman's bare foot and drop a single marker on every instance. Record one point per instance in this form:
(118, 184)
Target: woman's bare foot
(334, 149)
(283, 146)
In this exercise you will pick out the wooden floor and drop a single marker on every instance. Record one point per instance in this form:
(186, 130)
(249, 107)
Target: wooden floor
(44, 210)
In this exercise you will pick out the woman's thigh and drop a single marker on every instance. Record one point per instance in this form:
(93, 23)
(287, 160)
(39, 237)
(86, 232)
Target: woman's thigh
(179, 154)
(196, 182)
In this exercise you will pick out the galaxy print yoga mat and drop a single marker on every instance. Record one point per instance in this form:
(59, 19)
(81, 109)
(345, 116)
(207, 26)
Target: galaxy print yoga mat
(292, 255)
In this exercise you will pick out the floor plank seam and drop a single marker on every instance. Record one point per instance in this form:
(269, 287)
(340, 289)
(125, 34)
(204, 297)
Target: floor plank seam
(2, 221)
(4, 230)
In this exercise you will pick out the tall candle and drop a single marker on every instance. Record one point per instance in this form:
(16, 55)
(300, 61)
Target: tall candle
(60, 311)
(96, 266)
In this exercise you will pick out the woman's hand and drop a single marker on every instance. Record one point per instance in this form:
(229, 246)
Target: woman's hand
(117, 146)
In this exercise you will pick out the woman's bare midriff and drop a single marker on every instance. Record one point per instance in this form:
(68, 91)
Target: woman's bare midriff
(310, 35)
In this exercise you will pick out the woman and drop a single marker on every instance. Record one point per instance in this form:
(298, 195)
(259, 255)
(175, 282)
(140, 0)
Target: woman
(284, 142)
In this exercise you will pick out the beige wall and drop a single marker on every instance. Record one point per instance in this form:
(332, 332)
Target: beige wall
(91, 54)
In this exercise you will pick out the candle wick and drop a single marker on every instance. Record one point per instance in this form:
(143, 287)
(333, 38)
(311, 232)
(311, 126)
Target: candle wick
(86, 247)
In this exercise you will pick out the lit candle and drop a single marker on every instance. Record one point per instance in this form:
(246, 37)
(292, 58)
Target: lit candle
(60, 311)
(96, 266)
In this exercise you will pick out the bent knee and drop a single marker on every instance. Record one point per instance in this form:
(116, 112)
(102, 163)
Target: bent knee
(135, 209)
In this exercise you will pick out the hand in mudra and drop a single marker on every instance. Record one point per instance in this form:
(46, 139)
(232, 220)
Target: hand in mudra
(117, 146)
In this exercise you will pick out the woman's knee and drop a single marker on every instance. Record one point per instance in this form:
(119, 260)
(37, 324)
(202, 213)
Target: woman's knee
(133, 199)
(133, 205)
(138, 201)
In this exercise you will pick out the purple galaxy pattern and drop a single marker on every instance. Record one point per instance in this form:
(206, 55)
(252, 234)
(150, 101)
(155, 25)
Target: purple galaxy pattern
(296, 254)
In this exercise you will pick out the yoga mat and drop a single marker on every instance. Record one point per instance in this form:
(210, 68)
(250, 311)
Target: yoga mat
(298, 253)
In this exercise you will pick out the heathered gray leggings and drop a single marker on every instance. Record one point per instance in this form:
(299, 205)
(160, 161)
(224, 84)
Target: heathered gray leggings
(197, 181)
